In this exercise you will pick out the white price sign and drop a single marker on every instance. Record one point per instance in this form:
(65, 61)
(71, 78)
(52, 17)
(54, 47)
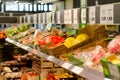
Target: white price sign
(92, 15)
(83, 15)
(35, 18)
(107, 14)
(65, 16)
(77, 70)
(20, 19)
(58, 17)
(69, 16)
(48, 17)
(76, 16)
(39, 18)
(107, 79)
(28, 18)
(44, 17)
(66, 65)
(53, 17)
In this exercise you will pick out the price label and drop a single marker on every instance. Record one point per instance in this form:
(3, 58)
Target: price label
(113, 69)
(50, 58)
(20, 19)
(28, 18)
(92, 15)
(69, 16)
(66, 65)
(35, 18)
(83, 15)
(53, 17)
(58, 17)
(76, 16)
(24, 19)
(44, 17)
(65, 17)
(77, 70)
(39, 18)
(49, 14)
(107, 14)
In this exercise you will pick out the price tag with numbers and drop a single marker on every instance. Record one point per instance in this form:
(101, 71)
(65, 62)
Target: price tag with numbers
(48, 17)
(92, 15)
(107, 14)
(58, 17)
(83, 15)
(65, 17)
(77, 70)
(66, 65)
(76, 13)
(69, 16)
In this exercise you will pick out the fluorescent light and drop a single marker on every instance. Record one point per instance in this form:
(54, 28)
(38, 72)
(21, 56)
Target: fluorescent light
(16, 2)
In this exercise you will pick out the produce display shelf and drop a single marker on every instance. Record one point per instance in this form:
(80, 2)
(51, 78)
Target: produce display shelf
(84, 72)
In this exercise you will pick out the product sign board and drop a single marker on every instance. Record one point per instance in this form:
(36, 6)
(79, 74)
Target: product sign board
(83, 15)
(20, 19)
(35, 18)
(68, 16)
(92, 12)
(44, 17)
(28, 18)
(76, 17)
(39, 18)
(58, 17)
(53, 17)
(48, 17)
(107, 14)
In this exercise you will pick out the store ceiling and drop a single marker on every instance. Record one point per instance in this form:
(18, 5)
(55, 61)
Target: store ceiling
(11, 1)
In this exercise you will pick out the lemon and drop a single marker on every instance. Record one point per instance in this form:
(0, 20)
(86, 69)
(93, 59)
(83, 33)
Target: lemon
(75, 42)
(82, 37)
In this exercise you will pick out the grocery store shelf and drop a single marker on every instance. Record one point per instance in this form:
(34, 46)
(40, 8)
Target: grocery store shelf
(84, 72)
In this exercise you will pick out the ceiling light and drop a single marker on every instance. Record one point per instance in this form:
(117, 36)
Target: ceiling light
(16, 2)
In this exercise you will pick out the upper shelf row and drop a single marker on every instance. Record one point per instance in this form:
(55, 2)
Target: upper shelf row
(104, 14)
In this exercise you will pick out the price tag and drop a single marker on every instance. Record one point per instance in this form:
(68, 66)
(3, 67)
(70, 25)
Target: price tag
(92, 15)
(69, 16)
(83, 15)
(39, 18)
(35, 18)
(77, 70)
(76, 16)
(58, 17)
(66, 65)
(50, 58)
(65, 16)
(44, 17)
(28, 18)
(107, 14)
(24, 17)
(113, 69)
(48, 17)
(20, 19)
(53, 17)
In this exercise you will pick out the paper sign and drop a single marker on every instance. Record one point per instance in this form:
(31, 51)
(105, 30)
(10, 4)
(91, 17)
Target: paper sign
(77, 70)
(44, 17)
(39, 18)
(65, 16)
(53, 17)
(66, 65)
(49, 14)
(20, 19)
(35, 18)
(92, 15)
(28, 18)
(83, 15)
(58, 17)
(76, 18)
(69, 16)
(107, 14)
